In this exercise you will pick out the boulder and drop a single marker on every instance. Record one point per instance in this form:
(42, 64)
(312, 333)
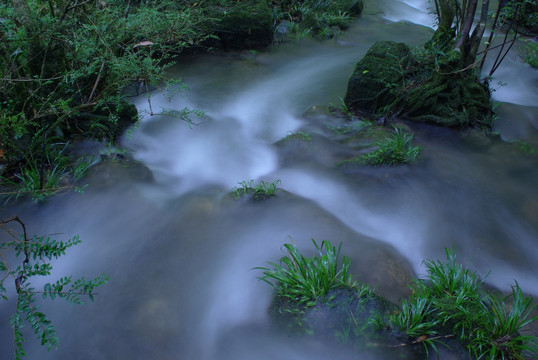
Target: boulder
(449, 97)
(378, 78)
(244, 24)
(391, 79)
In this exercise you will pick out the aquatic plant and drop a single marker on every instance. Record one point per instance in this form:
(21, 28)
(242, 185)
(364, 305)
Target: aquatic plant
(306, 279)
(450, 303)
(37, 253)
(298, 135)
(453, 303)
(261, 191)
(393, 149)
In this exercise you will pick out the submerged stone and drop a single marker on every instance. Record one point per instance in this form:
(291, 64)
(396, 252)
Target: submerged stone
(349, 318)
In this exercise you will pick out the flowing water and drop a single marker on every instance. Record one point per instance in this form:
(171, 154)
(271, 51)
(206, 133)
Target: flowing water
(180, 250)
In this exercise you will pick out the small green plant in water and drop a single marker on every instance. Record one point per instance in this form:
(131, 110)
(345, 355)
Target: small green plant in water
(261, 191)
(394, 149)
(451, 302)
(298, 135)
(306, 279)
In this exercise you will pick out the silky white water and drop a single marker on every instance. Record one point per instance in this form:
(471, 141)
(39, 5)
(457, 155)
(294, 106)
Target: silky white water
(181, 252)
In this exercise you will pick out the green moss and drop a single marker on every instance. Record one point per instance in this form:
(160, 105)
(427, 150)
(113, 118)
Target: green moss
(243, 25)
(449, 97)
(378, 77)
(427, 86)
(299, 135)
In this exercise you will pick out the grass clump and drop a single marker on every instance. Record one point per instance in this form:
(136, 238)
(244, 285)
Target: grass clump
(393, 149)
(47, 175)
(298, 135)
(306, 279)
(451, 306)
(262, 191)
(451, 302)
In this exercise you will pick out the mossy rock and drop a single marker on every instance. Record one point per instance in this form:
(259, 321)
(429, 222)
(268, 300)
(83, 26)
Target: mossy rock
(378, 77)
(449, 97)
(244, 24)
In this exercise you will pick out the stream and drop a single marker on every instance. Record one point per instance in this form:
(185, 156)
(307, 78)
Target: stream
(180, 250)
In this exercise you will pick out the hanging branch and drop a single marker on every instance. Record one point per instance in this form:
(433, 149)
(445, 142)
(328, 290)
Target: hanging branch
(499, 58)
(20, 278)
(490, 39)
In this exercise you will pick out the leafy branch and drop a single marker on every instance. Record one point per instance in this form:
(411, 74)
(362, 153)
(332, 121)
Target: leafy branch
(37, 252)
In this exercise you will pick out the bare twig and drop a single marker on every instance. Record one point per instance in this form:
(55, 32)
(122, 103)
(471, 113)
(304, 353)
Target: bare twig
(97, 81)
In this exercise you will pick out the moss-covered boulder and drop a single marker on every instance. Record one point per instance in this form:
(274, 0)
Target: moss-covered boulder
(449, 97)
(379, 77)
(244, 24)
(420, 85)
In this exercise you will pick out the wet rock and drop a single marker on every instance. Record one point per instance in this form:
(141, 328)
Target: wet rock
(390, 78)
(242, 25)
(350, 319)
(117, 169)
(449, 97)
(282, 31)
(378, 77)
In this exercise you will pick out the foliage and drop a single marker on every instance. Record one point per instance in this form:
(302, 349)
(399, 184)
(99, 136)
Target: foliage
(452, 302)
(261, 191)
(315, 17)
(37, 253)
(531, 56)
(64, 66)
(305, 280)
(394, 149)
(53, 172)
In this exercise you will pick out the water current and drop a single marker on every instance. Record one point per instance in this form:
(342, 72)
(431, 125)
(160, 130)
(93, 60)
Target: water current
(180, 250)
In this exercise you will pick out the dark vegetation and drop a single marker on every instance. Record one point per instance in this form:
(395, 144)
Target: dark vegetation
(317, 296)
(23, 258)
(441, 82)
(261, 191)
(68, 67)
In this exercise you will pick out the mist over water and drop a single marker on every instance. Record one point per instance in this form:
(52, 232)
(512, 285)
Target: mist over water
(180, 251)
